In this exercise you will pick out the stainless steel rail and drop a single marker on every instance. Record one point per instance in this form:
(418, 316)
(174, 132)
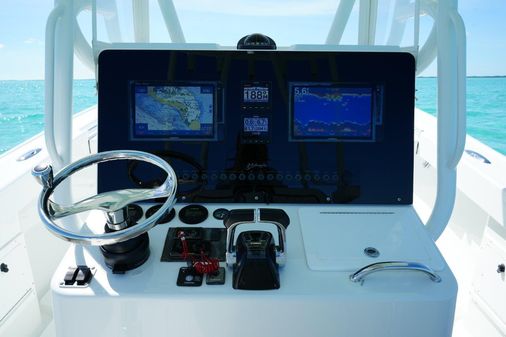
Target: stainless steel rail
(360, 274)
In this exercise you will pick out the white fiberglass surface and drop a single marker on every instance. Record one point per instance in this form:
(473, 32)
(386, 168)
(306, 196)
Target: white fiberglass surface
(147, 301)
(336, 239)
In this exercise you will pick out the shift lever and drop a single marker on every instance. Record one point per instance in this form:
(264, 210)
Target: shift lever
(256, 267)
(255, 257)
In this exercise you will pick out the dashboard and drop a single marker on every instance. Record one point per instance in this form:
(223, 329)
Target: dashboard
(261, 126)
(295, 183)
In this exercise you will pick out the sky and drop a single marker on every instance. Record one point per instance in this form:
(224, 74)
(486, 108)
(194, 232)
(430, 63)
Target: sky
(22, 27)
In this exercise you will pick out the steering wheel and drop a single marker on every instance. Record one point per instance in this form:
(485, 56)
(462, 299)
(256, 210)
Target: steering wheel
(113, 203)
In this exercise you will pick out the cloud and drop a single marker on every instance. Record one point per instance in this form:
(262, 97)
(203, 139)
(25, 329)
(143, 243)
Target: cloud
(1, 46)
(260, 7)
(32, 40)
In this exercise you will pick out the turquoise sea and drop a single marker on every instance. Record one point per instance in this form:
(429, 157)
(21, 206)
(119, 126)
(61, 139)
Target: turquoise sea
(22, 108)
(486, 107)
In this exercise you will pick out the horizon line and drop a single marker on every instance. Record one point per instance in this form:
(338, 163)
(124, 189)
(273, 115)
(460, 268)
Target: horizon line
(89, 79)
(468, 76)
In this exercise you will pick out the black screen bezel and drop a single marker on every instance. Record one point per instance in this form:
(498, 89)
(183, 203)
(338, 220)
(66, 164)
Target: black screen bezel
(379, 172)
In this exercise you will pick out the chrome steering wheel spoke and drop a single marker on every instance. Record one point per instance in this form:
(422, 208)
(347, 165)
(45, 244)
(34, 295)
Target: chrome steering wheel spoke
(111, 202)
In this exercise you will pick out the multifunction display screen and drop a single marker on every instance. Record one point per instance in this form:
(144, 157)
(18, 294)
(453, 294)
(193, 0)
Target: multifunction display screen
(331, 112)
(173, 110)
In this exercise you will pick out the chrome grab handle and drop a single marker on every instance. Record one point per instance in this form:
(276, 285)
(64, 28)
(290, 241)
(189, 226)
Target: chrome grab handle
(113, 203)
(360, 274)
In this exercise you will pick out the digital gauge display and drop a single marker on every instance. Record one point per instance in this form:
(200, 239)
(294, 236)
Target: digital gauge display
(256, 129)
(254, 93)
(256, 124)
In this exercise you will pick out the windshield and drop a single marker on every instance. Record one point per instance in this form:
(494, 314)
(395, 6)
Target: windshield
(288, 22)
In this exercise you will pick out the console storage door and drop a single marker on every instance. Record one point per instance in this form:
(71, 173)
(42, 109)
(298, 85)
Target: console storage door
(16, 279)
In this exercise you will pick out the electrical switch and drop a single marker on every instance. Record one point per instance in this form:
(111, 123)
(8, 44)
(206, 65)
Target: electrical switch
(84, 275)
(70, 276)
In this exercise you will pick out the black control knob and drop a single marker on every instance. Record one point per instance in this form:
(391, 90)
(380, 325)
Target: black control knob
(4, 268)
(501, 268)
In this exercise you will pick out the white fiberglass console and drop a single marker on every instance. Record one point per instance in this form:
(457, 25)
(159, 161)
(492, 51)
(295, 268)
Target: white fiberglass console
(293, 176)
(325, 246)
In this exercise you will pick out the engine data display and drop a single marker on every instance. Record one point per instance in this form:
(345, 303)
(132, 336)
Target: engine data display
(254, 93)
(329, 112)
(256, 124)
(168, 111)
(256, 129)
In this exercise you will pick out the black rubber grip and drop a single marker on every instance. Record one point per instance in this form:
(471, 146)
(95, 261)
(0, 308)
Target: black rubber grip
(239, 215)
(275, 215)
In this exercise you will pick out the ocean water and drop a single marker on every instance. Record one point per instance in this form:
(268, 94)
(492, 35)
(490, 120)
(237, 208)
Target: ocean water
(22, 108)
(486, 107)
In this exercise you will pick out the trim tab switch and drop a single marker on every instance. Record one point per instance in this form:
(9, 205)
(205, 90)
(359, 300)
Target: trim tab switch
(84, 275)
(78, 277)
(70, 276)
